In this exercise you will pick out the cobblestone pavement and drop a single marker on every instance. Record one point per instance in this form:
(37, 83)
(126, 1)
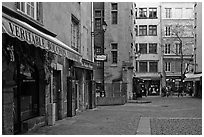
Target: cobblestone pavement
(168, 116)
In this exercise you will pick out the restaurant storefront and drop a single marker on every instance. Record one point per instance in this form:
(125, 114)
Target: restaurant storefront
(35, 67)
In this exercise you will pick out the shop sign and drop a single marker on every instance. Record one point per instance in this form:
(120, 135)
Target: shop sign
(101, 57)
(30, 37)
(87, 65)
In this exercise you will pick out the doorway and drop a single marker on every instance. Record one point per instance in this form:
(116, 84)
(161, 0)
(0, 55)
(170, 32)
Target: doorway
(56, 92)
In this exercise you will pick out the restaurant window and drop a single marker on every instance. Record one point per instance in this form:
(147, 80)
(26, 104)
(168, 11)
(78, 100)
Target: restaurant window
(75, 33)
(167, 66)
(153, 30)
(143, 66)
(167, 49)
(153, 48)
(142, 12)
(143, 30)
(29, 94)
(114, 13)
(168, 12)
(153, 66)
(114, 53)
(152, 12)
(143, 48)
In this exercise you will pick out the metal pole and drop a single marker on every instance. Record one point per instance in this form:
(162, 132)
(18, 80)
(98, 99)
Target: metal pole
(181, 64)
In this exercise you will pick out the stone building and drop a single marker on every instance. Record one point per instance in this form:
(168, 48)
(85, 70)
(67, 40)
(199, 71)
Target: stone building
(118, 40)
(47, 63)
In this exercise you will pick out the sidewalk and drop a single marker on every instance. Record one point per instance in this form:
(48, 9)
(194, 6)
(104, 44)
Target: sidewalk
(163, 115)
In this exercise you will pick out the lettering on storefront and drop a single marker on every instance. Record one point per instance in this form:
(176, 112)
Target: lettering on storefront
(30, 37)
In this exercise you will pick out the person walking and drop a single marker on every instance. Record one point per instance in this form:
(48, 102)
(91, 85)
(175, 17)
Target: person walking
(180, 90)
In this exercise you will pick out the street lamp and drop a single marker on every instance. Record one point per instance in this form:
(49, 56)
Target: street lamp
(104, 27)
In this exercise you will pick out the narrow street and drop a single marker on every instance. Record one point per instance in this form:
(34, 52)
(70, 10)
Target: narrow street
(169, 116)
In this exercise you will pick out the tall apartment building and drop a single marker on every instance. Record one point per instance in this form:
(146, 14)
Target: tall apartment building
(196, 77)
(147, 42)
(47, 63)
(118, 40)
(177, 41)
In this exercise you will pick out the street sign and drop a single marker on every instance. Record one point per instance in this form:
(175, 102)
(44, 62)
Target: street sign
(101, 57)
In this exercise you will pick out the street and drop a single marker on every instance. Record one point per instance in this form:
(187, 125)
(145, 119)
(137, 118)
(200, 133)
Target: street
(168, 116)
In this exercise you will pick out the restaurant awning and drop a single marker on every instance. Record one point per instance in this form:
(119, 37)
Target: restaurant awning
(193, 77)
(24, 32)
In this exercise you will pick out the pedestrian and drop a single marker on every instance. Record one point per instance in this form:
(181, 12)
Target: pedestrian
(180, 90)
(145, 92)
(163, 91)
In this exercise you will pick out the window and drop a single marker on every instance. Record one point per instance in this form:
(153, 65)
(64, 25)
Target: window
(152, 30)
(98, 13)
(152, 12)
(167, 66)
(114, 53)
(168, 12)
(167, 49)
(153, 66)
(97, 23)
(143, 12)
(114, 12)
(189, 13)
(153, 48)
(98, 19)
(178, 49)
(29, 8)
(75, 33)
(143, 30)
(178, 13)
(98, 50)
(99, 64)
(143, 48)
(143, 66)
(136, 30)
(136, 47)
(114, 57)
(136, 66)
(167, 31)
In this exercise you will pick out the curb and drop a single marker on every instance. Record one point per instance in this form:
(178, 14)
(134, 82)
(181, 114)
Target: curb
(139, 101)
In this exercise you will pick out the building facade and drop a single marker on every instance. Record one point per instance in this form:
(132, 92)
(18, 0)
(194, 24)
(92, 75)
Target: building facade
(118, 40)
(147, 42)
(47, 63)
(177, 20)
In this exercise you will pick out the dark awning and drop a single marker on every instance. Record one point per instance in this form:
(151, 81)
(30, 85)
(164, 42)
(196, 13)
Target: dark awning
(24, 32)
